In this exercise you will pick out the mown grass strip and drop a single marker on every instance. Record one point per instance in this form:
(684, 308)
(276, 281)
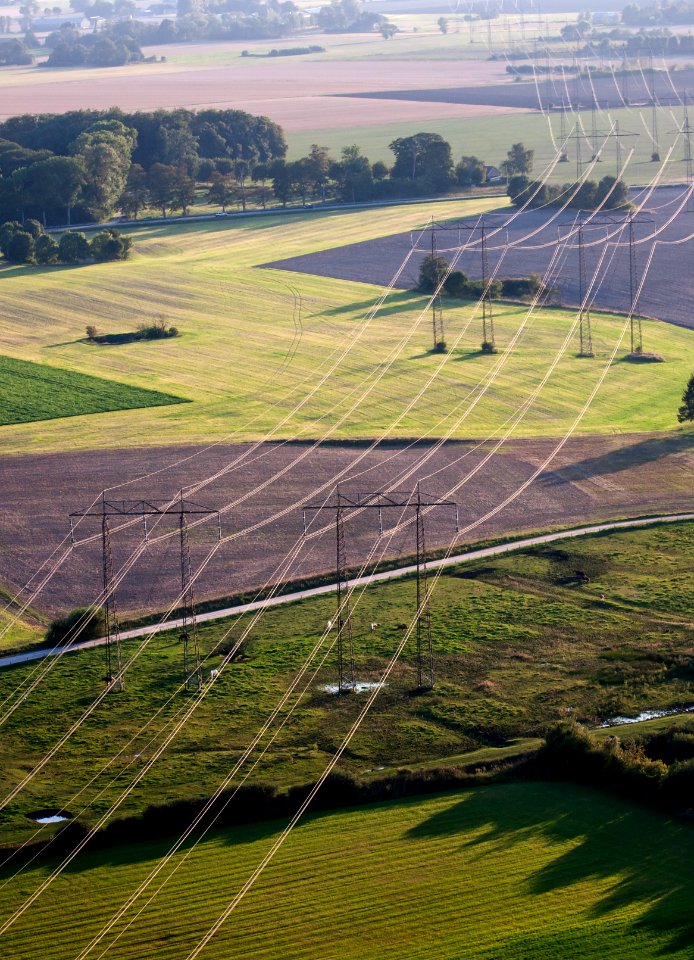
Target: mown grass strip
(34, 391)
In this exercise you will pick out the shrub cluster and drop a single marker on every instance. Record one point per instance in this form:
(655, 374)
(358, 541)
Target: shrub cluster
(657, 769)
(28, 243)
(457, 284)
(75, 626)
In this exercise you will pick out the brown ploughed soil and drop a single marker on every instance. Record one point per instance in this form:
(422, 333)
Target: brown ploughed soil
(592, 478)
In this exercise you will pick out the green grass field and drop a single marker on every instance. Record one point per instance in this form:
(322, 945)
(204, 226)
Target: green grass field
(519, 643)
(31, 391)
(537, 871)
(490, 137)
(234, 317)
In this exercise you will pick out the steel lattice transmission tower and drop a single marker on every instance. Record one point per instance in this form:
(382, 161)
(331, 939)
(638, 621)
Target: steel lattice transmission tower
(110, 609)
(143, 509)
(379, 501)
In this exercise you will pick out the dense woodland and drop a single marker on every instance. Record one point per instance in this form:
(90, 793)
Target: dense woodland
(86, 164)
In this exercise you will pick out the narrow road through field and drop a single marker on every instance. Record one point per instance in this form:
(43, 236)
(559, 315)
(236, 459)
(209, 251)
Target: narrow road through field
(469, 556)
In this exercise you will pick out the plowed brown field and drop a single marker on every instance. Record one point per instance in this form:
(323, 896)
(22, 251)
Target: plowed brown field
(593, 478)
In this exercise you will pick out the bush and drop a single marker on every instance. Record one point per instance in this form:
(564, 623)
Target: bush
(73, 247)
(46, 249)
(20, 247)
(7, 231)
(110, 245)
(75, 626)
(156, 331)
(431, 272)
(34, 227)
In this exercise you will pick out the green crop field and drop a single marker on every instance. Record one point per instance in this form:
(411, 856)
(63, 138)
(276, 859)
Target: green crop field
(538, 871)
(520, 641)
(32, 391)
(245, 357)
(489, 137)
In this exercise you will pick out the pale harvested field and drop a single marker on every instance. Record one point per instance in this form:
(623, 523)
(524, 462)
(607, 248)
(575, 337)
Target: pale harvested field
(285, 90)
(593, 478)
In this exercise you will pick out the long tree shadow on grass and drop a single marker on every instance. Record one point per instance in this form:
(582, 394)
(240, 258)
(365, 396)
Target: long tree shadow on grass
(624, 458)
(646, 855)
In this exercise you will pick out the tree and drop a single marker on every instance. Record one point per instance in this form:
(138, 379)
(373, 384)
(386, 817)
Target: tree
(686, 411)
(518, 161)
(184, 190)
(443, 25)
(51, 186)
(105, 150)
(135, 194)
(162, 184)
(20, 247)
(425, 157)
(611, 193)
(388, 30)
(353, 175)
(281, 181)
(431, 273)
(318, 169)
(469, 172)
(379, 170)
(46, 249)
(73, 247)
(110, 245)
(221, 190)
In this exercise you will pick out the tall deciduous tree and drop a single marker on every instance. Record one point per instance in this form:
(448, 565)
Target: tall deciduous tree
(135, 195)
(518, 160)
(105, 150)
(162, 184)
(425, 157)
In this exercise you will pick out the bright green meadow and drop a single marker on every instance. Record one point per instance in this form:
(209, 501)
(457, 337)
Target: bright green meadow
(32, 391)
(536, 871)
(246, 355)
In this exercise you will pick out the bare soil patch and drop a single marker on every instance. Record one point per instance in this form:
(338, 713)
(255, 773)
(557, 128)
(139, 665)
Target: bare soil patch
(667, 294)
(593, 478)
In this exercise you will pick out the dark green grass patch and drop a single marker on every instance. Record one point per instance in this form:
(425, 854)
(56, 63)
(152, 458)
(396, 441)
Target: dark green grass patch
(35, 391)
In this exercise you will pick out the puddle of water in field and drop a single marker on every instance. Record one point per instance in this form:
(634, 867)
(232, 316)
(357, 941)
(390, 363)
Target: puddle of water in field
(359, 687)
(44, 818)
(646, 715)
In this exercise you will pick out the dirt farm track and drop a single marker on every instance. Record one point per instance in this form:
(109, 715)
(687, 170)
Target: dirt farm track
(593, 478)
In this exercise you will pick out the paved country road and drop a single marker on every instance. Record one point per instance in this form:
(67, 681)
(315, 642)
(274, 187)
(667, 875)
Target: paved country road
(469, 556)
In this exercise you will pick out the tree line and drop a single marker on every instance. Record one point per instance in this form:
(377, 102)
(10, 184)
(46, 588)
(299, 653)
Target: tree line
(28, 243)
(608, 194)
